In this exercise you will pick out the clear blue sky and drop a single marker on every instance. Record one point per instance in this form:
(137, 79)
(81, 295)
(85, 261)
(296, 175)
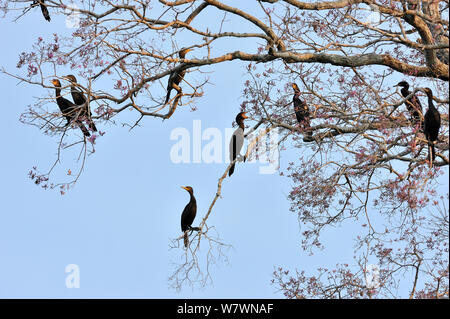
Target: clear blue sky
(117, 222)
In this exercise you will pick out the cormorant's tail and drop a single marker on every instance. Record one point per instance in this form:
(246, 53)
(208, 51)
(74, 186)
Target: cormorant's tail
(167, 97)
(231, 171)
(169, 89)
(92, 126)
(431, 152)
(186, 239)
(45, 12)
(83, 129)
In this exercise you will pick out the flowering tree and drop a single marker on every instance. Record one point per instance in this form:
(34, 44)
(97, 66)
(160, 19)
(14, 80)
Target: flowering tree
(363, 160)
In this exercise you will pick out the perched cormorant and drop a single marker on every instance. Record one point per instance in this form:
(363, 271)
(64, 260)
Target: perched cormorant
(188, 215)
(301, 110)
(432, 123)
(68, 109)
(412, 104)
(79, 99)
(177, 76)
(43, 9)
(237, 140)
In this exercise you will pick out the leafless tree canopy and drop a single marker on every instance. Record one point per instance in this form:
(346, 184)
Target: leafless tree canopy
(365, 161)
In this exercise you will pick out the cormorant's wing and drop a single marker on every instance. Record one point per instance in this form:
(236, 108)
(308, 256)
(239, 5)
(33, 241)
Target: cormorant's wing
(183, 218)
(78, 96)
(188, 215)
(236, 143)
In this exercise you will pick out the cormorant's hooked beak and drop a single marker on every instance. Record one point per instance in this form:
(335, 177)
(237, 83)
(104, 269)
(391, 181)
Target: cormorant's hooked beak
(185, 188)
(295, 87)
(244, 115)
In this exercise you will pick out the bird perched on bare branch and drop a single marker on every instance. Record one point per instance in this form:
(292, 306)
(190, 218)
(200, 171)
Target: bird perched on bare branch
(68, 109)
(177, 76)
(237, 140)
(432, 124)
(80, 100)
(188, 215)
(301, 111)
(412, 104)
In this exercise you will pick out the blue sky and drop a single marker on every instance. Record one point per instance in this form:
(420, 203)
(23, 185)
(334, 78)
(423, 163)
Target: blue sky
(118, 221)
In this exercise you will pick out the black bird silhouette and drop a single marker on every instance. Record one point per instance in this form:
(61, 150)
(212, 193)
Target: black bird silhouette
(79, 99)
(412, 104)
(68, 109)
(301, 110)
(237, 140)
(432, 124)
(177, 76)
(43, 8)
(188, 215)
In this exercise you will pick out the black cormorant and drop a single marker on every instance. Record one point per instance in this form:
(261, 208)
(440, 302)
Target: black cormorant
(79, 99)
(237, 140)
(176, 77)
(301, 110)
(43, 8)
(412, 104)
(188, 215)
(432, 123)
(68, 109)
